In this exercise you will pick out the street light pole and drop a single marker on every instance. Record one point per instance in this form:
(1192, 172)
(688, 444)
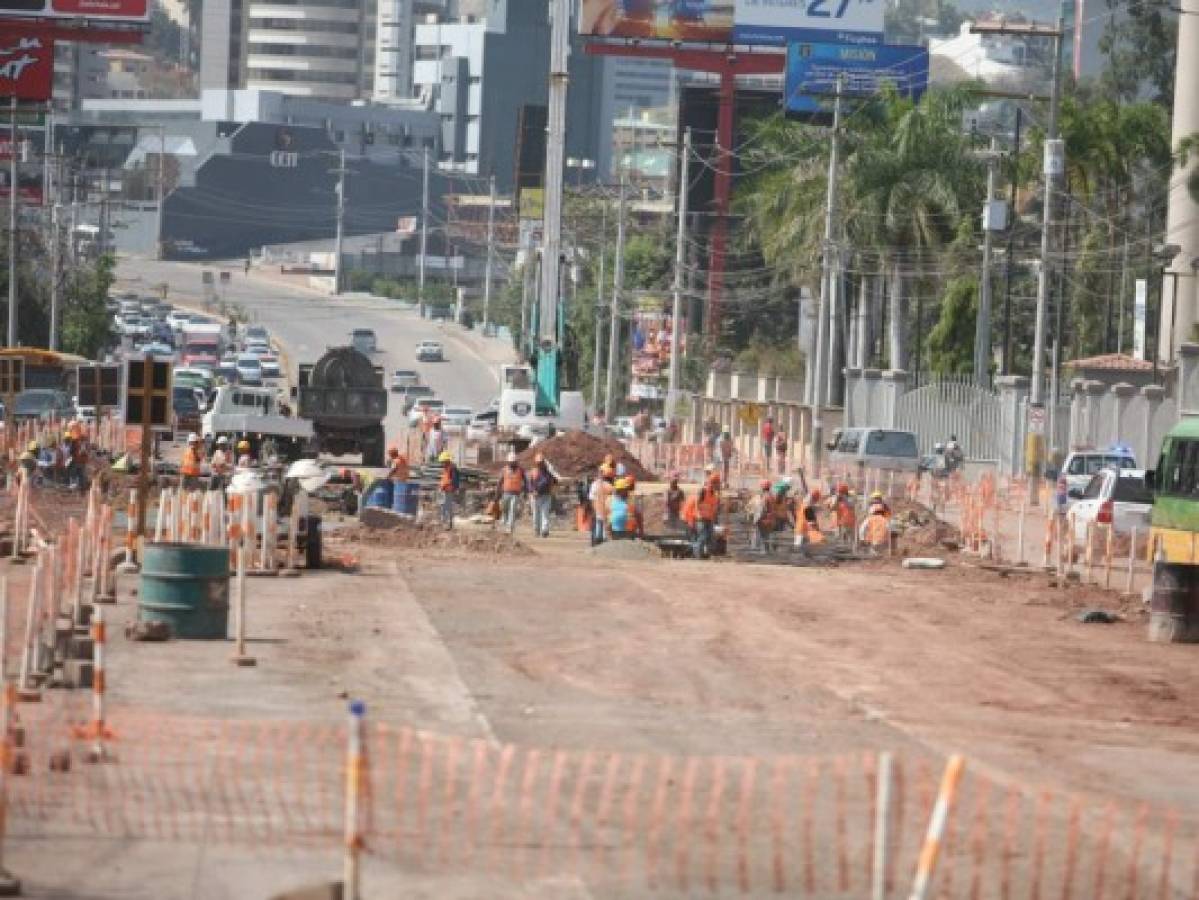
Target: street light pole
(599, 310)
(617, 288)
(982, 323)
(680, 258)
(341, 217)
(424, 232)
(12, 225)
(490, 255)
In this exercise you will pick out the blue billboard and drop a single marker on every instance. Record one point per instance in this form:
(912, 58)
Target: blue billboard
(812, 71)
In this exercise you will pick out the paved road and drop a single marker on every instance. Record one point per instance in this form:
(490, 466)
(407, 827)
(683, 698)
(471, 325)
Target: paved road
(305, 322)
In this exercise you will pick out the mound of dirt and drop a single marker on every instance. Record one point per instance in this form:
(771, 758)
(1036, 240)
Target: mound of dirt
(577, 453)
(433, 537)
(921, 530)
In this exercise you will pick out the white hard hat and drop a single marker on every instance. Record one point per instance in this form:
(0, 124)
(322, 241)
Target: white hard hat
(222, 440)
(193, 438)
(309, 474)
(246, 482)
(511, 457)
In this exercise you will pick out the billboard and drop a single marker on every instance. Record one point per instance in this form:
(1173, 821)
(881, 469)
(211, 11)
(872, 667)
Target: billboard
(99, 10)
(782, 22)
(666, 20)
(651, 340)
(26, 64)
(812, 71)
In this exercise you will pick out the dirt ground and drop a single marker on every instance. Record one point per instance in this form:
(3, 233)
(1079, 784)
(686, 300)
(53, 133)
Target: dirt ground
(675, 659)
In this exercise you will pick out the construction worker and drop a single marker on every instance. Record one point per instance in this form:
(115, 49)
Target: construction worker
(541, 483)
(807, 521)
(780, 451)
(846, 515)
(707, 513)
(397, 465)
(725, 451)
(620, 522)
(878, 503)
(436, 441)
(599, 495)
(876, 527)
(512, 488)
(761, 517)
(767, 443)
(447, 485)
(220, 464)
(245, 457)
(28, 460)
(674, 502)
(192, 464)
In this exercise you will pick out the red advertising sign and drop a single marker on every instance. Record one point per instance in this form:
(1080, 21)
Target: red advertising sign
(105, 10)
(26, 64)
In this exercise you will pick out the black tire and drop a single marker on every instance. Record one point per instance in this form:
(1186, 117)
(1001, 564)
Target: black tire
(312, 548)
(373, 450)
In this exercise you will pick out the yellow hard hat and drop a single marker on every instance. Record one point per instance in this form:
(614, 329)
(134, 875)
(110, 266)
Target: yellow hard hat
(876, 495)
(33, 447)
(243, 445)
(445, 456)
(621, 484)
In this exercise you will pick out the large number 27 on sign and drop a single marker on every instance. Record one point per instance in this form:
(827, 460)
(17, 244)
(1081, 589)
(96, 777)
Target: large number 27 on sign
(817, 9)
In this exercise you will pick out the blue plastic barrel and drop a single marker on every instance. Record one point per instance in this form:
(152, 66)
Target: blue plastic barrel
(379, 494)
(406, 499)
(186, 586)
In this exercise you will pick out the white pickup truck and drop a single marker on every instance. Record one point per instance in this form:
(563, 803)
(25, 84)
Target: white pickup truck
(253, 413)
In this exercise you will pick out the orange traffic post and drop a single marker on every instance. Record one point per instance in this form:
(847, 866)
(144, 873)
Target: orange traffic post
(931, 850)
(355, 773)
(97, 730)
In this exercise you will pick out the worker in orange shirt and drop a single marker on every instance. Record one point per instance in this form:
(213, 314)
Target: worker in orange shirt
(707, 513)
(447, 485)
(876, 528)
(397, 463)
(807, 521)
(513, 486)
(193, 461)
(846, 515)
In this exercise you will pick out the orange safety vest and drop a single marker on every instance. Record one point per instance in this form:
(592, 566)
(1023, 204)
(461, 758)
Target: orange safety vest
(707, 505)
(809, 529)
(446, 482)
(191, 463)
(399, 469)
(878, 529)
(513, 481)
(690, 511)
(846, 517)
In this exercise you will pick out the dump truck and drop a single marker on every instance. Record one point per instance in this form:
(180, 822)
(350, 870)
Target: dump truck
(342, 394)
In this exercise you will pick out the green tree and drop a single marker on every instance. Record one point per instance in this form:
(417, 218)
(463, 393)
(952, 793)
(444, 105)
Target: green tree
(951, 342)
(86, 325)
(1139, 42)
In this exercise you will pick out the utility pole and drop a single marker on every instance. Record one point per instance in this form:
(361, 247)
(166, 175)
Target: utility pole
(1052, 172)
(490, 256)
(982, 322)
(54, 267)
(599, 310)
(680, 259)
(1009, 260)
(617, 289)
(12, 225)
(340, 171)
(424, 233)
(162, 152)
(827, 284)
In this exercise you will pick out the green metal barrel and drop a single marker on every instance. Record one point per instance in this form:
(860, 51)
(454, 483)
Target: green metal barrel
(186, 586)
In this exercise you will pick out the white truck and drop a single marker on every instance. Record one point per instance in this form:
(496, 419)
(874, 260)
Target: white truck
(238, 412)
(518, 417)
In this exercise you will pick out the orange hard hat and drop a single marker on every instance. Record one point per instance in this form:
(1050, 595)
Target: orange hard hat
(815, 493)
(714, 480)
(764, 484)
(843, 488)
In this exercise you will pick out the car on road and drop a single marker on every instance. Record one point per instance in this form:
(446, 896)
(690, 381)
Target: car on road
(249, 369)
(194, 377)
(423, 405)
(1082, 465)
(412, 393)
(42, 403)
(482, 426)
(226, 371)
(156, 348)
(257, 348)
(270, 365)
(178, 319)
(185, 406)
(364, 341)
(256, 333)
(430, 351)
(624, 427)
(403, 378)
(887, 449)
(454, 419)
(1117, 497)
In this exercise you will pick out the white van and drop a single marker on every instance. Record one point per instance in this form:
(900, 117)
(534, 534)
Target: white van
(876, 448)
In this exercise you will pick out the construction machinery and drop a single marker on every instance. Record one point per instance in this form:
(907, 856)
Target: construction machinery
(531, 399)
(342, 394)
